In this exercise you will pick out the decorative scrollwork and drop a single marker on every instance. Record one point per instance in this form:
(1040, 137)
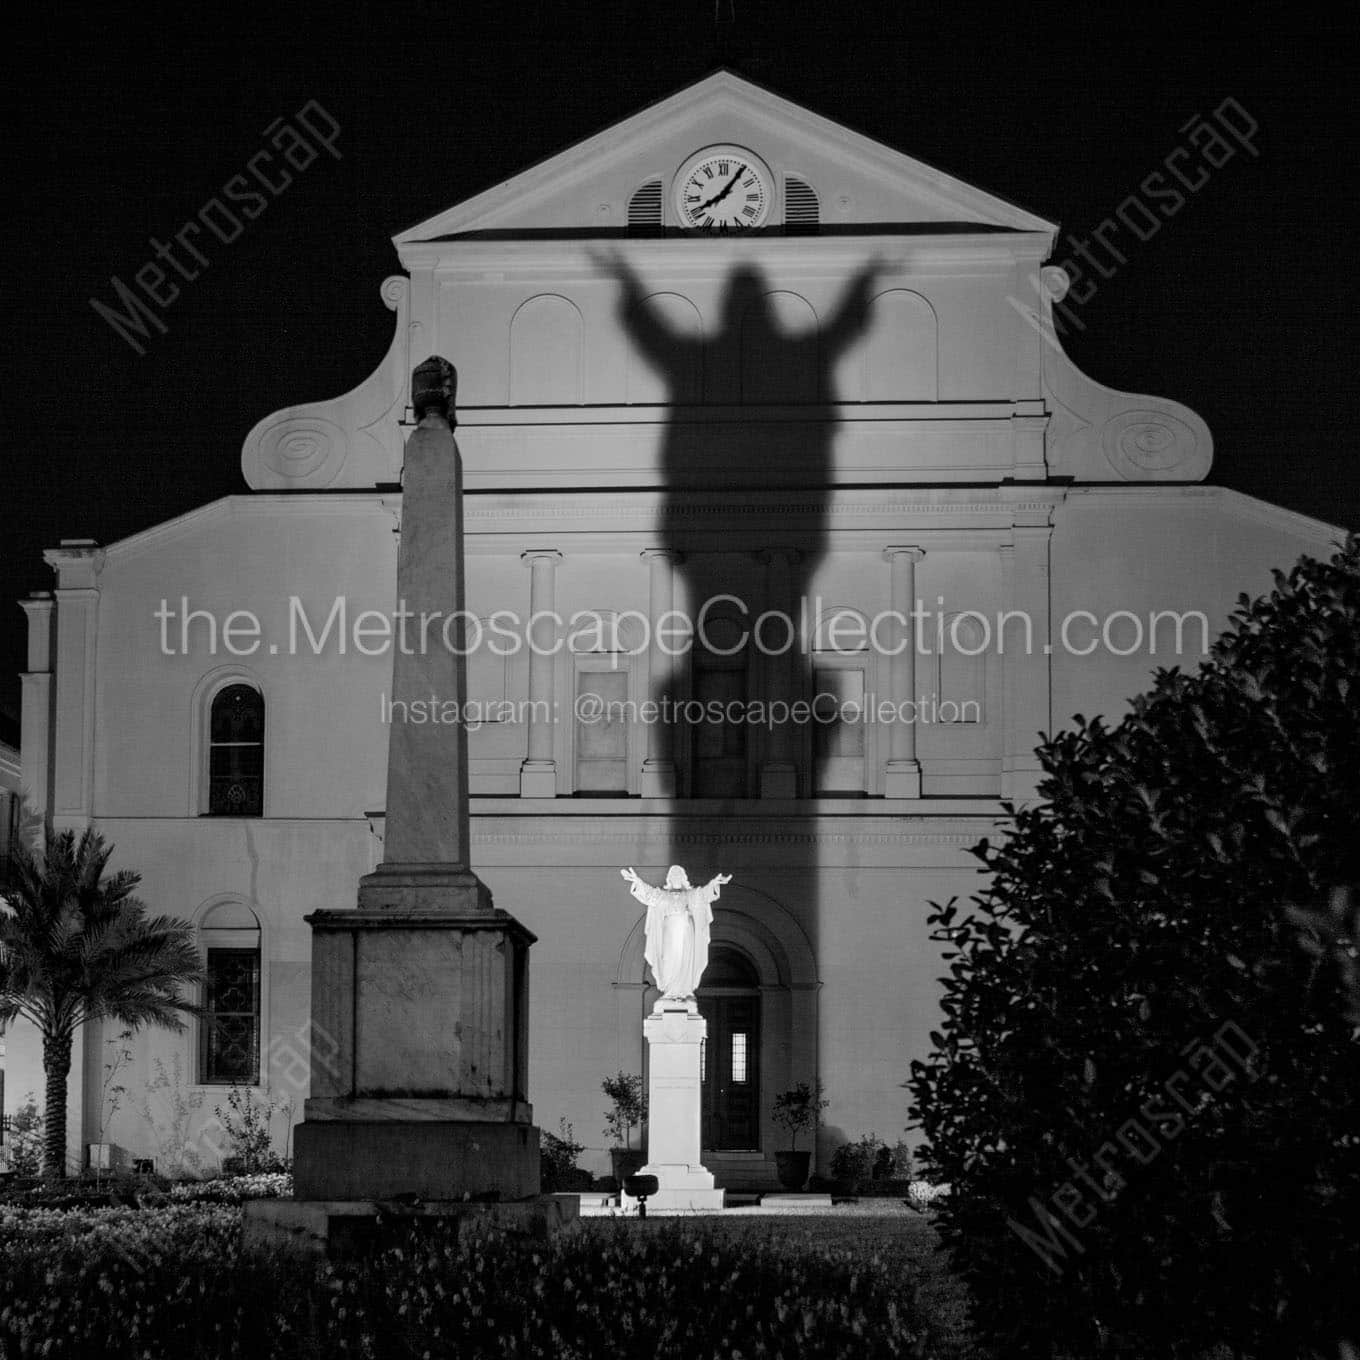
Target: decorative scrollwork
(1143, 444)
(1055, 282)
(303, 448)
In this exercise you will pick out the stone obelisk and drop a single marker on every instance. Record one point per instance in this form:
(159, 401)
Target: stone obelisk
(420, 996)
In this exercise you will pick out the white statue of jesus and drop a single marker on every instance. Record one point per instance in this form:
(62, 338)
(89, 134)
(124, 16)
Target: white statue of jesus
(678, 920)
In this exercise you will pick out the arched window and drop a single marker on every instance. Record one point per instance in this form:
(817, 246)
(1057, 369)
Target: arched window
(236, 752)
(229, 1028)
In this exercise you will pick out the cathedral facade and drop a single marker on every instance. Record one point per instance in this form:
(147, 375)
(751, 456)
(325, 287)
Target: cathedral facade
(789, 528)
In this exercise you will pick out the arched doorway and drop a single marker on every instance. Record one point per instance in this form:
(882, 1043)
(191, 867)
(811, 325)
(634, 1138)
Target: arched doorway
(729, 1000)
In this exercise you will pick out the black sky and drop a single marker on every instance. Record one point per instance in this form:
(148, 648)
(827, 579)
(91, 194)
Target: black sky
(124, 124)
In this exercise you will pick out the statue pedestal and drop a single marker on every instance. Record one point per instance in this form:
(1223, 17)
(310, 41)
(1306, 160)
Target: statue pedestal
(419, 1046)
(675, 1032)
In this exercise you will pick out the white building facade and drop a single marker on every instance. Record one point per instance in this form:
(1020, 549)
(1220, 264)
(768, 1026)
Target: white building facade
(844, 404)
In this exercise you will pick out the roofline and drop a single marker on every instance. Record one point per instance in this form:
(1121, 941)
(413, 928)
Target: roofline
(499, 194)
(1000, 247)
(358, 499)
(1291, 521)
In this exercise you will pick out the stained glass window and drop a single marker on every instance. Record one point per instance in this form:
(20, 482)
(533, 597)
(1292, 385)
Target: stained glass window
(236, 753)
(231, 1018)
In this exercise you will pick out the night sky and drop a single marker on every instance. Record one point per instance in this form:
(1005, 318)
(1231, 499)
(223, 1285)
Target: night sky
(127, 123)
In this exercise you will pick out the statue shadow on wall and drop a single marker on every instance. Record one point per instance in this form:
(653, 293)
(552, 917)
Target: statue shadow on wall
(769, 358)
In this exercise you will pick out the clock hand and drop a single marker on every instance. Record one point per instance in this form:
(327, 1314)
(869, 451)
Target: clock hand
(723, 192)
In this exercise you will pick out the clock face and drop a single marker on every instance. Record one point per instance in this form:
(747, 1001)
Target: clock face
(722, 189)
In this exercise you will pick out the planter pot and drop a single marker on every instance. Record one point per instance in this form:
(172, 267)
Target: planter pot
(626, 1162)
(792, 1169)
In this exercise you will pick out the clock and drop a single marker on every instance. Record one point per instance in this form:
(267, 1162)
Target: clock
(723, 188)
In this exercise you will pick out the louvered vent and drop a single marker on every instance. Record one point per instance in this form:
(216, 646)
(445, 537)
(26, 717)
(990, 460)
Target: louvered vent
(802, 211)
(644, 208)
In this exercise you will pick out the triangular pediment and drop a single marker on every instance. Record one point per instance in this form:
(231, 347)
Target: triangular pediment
(859, 183)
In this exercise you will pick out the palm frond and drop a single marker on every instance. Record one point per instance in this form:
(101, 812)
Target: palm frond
(77, 943)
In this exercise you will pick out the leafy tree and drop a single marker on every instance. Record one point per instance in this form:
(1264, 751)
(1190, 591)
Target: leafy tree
(26, 1138)
(75, 946)
(628, 1107)
(1145, 1092)
(799, 1110)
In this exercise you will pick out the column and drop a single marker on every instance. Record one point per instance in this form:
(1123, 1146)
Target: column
(903, 773)
(658, 769)
(779, 773)
(538, 773)
(35, 741)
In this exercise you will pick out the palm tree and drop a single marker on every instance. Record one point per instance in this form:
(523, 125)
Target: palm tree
(78, 946)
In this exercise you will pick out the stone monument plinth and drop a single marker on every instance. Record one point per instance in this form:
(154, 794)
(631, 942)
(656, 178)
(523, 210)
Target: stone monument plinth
(675, 1033)
(423, 1090)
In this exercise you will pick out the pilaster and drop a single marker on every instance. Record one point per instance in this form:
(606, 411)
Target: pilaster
(538, 773)
(902, 777)
(1026, 662)
(35, 740)
(77, 563)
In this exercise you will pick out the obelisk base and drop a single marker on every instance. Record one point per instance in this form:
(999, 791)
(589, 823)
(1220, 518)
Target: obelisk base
(424, 1160)
(355, 1227)
(675, 1033)
(419, 1037)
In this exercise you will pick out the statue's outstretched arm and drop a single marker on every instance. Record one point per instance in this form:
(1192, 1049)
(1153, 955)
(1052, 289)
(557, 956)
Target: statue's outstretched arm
(644, 892)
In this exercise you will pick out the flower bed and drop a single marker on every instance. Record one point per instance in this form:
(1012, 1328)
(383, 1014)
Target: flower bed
(173, 1282)
(90, 1192)
(233, 1189)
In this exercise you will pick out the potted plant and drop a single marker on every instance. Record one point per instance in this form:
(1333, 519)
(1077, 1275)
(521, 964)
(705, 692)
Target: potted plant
(627, 1111)
(797, 1109)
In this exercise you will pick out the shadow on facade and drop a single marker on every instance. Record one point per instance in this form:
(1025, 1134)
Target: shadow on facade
(771, 360)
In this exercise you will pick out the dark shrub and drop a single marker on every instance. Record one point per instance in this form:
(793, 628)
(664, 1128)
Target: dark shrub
(174, 1285)
(557, 1154)
(1144, 1093)
(870, 1159)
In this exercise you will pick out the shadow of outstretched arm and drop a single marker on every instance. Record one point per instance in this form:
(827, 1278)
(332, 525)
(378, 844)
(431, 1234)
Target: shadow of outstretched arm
(662, 346)
(852, 313)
